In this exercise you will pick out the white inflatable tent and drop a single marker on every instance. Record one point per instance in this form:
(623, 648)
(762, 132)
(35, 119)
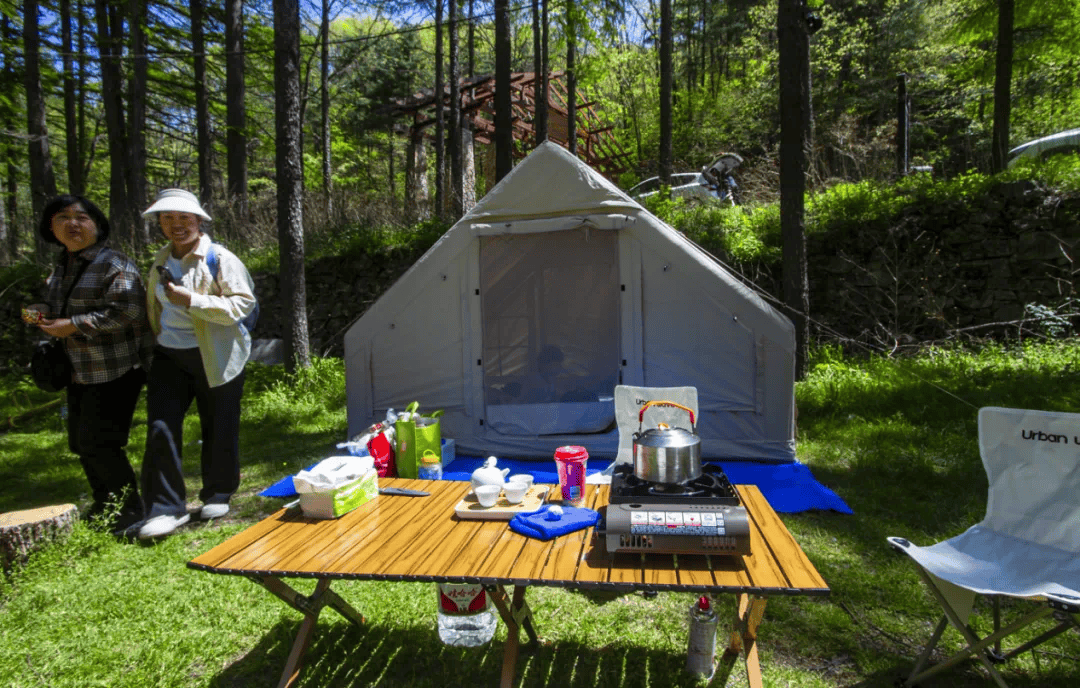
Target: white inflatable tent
(554, 288)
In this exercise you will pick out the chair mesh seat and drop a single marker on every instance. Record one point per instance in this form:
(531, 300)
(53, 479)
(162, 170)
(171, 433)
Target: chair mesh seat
(1028, 544)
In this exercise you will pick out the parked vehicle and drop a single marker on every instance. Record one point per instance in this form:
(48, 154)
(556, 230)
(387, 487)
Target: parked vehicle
(1054, 144)
(683, 185)
(715, 182)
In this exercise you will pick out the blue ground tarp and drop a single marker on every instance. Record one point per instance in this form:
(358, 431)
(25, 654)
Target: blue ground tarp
(789, 487)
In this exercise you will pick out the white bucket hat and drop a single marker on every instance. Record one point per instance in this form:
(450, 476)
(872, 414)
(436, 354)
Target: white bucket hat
(177, 201)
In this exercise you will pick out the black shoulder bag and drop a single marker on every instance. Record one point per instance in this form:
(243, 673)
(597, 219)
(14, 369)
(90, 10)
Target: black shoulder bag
(50, 366)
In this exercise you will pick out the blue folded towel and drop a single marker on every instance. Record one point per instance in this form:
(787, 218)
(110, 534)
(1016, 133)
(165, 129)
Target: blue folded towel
(545, 524)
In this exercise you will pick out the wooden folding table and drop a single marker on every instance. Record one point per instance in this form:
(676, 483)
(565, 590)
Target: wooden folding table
(395, 538)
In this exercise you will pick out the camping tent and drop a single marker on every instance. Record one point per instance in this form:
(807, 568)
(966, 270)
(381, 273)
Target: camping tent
(520, 321)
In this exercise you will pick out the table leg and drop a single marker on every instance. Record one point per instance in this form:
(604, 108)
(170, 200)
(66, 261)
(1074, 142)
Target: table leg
(744, 638)
(515, 615)
(310, 606)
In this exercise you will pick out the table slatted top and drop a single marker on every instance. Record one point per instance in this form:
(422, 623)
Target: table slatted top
(420, 539)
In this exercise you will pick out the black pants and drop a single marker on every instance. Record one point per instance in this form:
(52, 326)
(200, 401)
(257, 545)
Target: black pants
(176, 378)
(99, 422)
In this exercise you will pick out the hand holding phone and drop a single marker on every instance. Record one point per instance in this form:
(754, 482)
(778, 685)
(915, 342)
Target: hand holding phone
(165, 275)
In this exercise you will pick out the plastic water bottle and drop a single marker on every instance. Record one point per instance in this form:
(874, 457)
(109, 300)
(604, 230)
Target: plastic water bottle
(430, 466)
(465, 616)
(701, 649)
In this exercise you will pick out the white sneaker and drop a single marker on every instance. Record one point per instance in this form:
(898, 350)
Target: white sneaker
(162, 525)
(213, 511)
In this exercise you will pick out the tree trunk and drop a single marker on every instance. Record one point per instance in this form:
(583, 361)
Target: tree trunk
(80, 105)
(468, 170)
(705, 42)
(691, 74)
(542, 94)
(235, 109)
(504, 122)
(22, 532)
(391, 173)
(290, 179)
(204, 148)
(454, 137)
(7, 254)
(901, 125)
(7, 153)
(472, 41)
(42, 181)
(536, 72)
(794, 69)
(71, 124)
(664, 161)
(571, 76)
(110, 35)
(440, 127)
(416, 191)
(999, 155)
(327, 181)
(137, 121)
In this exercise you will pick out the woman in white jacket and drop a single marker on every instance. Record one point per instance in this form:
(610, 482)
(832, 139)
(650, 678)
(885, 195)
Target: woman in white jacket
(195, 309)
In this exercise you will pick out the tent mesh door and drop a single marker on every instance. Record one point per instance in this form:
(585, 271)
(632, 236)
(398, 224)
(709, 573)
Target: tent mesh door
(551, 331)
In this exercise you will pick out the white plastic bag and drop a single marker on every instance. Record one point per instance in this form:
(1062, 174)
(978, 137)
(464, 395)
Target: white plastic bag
(332, 473)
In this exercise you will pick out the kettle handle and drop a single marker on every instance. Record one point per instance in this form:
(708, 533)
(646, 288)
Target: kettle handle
(641, 414)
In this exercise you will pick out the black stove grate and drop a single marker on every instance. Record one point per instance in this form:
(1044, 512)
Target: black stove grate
(711, 487)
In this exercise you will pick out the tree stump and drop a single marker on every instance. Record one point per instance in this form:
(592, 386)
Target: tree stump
(21, 532)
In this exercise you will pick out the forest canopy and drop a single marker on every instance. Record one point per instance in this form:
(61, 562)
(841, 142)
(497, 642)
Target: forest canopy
(139, 64)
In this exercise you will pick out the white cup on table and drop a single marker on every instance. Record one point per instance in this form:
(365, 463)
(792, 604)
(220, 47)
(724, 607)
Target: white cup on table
(525, 478)
(487, 495)
(515, 491)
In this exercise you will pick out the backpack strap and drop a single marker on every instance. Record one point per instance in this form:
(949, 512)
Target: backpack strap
(212, 262)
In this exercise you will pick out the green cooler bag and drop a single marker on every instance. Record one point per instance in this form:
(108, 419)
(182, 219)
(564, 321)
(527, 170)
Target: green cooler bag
(414, 437)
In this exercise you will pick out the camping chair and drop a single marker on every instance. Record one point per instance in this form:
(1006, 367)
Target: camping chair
(1027, 546)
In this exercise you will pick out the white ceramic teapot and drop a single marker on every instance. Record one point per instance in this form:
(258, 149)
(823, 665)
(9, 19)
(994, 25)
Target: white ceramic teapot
(488, 474)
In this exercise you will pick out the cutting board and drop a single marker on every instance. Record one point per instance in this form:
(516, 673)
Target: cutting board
(503, 510)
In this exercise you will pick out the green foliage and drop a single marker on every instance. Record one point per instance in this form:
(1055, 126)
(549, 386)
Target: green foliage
(358, 239)
(27, 408)
(860, 206)
(1060, 172)
(745, 234)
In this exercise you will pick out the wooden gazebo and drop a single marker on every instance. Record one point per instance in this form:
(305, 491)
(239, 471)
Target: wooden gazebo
(596, 144)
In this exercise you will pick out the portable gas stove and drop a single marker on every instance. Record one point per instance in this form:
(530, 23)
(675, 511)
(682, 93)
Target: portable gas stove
(700, 516)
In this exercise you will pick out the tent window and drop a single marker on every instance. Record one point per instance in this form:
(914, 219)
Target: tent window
(551, 330)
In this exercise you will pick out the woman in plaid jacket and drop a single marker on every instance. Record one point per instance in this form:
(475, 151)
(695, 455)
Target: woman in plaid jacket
(97, 305)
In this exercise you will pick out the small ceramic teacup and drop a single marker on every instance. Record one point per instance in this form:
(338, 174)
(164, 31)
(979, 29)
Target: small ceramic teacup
(515, 491)
(521, 478)
(487, 495)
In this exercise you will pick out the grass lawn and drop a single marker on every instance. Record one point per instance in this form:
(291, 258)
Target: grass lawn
(895, 438)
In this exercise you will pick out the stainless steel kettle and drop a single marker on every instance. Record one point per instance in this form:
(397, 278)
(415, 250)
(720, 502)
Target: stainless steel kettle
(664, 454)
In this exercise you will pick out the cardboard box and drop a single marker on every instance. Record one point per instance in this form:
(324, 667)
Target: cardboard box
(343, 499)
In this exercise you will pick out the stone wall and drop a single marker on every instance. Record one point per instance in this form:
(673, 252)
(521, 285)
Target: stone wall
(942, 269)
(339, 290)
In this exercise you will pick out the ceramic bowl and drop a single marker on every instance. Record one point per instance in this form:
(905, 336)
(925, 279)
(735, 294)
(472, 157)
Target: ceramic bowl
(521, 478)
(487, 495)
(515, 491)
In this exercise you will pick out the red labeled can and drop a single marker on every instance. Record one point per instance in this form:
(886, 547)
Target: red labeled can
(570, 461)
